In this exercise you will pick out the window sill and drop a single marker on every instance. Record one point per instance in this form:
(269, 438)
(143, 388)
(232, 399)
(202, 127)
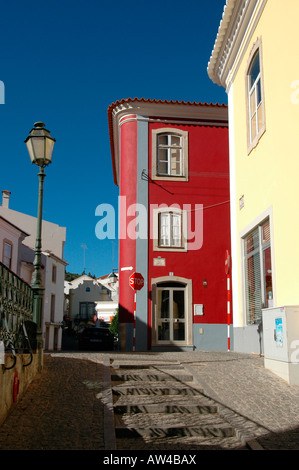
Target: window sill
(170, 249)
(255, 142)
(169, 178)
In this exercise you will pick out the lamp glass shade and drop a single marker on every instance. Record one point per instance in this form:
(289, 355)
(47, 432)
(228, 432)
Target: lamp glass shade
(40, 145)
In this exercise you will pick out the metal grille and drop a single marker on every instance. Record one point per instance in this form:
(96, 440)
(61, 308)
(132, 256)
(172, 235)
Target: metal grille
(16, 310)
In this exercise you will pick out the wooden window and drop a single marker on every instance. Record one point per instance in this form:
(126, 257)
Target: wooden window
(170, 230)
(170, 154)
(170, 227)
(7, 254)
(54, 273)
(256, 125)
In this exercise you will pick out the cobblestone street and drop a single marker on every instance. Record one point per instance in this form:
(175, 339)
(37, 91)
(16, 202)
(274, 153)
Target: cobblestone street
(64, 407)
(60, 410)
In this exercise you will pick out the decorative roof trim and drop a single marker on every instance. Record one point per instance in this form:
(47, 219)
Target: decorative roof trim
(158, 109)
(235, 20)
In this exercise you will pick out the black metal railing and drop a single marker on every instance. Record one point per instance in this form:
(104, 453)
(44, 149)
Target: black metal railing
(17, 329)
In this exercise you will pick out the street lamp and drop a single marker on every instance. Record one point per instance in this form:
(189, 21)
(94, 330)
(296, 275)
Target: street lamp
(40, 145)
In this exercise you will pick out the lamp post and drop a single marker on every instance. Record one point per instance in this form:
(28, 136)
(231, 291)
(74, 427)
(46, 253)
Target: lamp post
(40, 145)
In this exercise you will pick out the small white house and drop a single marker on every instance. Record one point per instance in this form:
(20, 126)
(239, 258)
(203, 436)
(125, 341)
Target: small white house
(106, 310)
(90, 299)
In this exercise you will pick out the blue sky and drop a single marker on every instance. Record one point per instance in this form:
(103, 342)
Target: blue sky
(64, 62)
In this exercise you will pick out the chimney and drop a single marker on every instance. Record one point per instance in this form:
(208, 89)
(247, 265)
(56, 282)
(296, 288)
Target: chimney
(5, 199)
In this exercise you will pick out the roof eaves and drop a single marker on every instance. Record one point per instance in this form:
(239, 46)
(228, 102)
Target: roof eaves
(124, 101)
(219, 42)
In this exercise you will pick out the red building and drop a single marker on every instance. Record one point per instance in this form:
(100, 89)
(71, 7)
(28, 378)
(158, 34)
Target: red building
(170, 161)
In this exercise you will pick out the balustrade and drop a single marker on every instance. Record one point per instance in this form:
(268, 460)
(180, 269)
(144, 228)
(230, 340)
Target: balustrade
(16, 314)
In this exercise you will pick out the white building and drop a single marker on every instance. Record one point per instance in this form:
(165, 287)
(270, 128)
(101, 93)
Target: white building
(11, 239)
(17, 236)
(89, 299)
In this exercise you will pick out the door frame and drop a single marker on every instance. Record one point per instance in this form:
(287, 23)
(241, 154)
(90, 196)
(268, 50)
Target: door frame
(187, 285)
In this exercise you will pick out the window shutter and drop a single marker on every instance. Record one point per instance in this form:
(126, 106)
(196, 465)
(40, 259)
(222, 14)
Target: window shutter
(176, 229)
(253, 278)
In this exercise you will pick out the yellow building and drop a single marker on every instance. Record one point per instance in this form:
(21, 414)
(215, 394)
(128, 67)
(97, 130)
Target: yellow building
(256, 59)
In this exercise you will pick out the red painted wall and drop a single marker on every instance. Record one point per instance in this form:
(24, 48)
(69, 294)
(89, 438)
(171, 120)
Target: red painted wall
(208, 185)
(127, 188)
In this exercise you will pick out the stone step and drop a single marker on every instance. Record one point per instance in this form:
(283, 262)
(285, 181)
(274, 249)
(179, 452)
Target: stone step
(146, 366)
(158, 389)
(165, 408)
(154, 376)
(224, 431)
(160, 406)
(149, 420)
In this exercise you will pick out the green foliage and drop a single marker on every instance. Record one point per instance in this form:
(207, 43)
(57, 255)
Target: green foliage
(114, 325)
(70, 276)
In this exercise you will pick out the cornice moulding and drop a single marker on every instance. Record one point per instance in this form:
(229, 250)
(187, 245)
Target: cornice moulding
(236, 20)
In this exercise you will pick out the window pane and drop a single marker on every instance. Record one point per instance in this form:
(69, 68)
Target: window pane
(179, 331)
(259, 117)
(253, 127)
(175, 141)
(266, 232)
(7, 249)
(175, 162)
(176, 230)
(258, 92)
(163, 331)
(163, 139)
(255, 69)
(163, 303)
(178, 304)
(163, 168)
(164, 229)
(7, 254)
(252, 103)
(268, 277)
(252, 241)
(163, 161)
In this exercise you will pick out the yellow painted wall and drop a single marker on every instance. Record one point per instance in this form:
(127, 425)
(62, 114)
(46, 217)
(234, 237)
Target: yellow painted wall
(269, 175)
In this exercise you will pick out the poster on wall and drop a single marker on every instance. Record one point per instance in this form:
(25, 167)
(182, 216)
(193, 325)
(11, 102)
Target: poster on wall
(278, 332)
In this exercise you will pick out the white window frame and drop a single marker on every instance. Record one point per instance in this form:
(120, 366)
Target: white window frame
(168, 147)
(259, 107)
(169, 214)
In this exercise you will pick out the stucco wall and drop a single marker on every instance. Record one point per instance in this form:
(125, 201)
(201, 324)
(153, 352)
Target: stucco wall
(267, 176)
(25, 377)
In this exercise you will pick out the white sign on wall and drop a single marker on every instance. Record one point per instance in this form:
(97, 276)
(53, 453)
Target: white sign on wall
(198, 309)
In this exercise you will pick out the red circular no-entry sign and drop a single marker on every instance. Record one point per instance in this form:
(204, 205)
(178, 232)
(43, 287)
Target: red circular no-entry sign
(136, 281)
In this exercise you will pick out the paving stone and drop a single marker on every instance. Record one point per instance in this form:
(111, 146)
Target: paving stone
(69, 405)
